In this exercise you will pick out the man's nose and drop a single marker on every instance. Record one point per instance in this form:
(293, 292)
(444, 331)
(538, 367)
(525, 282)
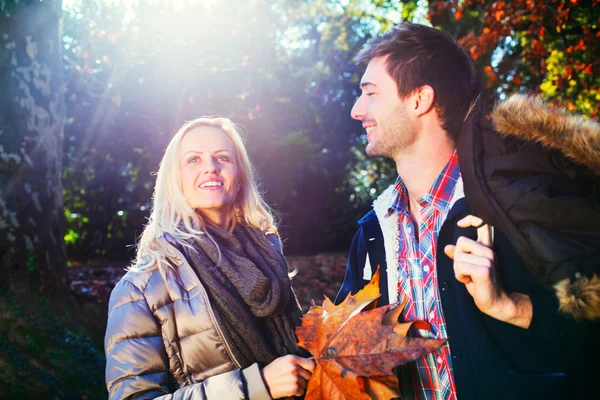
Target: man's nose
(359, 110)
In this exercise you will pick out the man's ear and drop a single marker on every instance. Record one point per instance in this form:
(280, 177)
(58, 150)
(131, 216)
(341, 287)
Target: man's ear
(423, 99)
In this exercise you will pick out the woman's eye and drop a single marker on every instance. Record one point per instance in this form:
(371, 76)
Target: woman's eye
(223, 158)
(193, 159)
(370, 94)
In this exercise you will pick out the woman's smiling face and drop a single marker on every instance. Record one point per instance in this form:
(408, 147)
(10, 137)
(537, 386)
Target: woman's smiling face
(207, 161)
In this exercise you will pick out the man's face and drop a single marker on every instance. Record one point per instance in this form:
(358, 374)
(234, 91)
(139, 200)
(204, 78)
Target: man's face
(386, 118)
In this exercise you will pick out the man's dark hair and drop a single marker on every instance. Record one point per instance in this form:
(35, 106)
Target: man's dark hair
(419, 55)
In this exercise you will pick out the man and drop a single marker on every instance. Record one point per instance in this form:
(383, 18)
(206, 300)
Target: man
(506, 338)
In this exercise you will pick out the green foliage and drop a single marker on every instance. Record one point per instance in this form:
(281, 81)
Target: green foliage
(283, 69)
(369, 177)
(30, 263)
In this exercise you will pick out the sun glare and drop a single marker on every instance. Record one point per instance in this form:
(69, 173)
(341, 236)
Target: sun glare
(177, 4)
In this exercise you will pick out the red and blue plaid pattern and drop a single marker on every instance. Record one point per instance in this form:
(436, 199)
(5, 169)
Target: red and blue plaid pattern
(431, 376)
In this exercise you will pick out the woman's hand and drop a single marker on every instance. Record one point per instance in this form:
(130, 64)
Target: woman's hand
(287, 375)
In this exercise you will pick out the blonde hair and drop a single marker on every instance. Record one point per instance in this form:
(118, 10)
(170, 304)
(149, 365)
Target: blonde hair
(172, 214)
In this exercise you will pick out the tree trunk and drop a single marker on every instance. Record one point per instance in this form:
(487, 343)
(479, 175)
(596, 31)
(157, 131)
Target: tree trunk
(32, 111)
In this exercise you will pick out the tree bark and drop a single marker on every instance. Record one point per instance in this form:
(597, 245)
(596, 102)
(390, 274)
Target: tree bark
(32, 112)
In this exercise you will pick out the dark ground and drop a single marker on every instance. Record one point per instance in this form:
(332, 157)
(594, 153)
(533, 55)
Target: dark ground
(45, 354)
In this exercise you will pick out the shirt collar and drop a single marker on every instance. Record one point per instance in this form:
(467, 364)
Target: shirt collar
(438, 196)
(399, 199)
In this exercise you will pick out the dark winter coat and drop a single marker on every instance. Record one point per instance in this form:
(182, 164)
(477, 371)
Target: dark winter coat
(534, 173)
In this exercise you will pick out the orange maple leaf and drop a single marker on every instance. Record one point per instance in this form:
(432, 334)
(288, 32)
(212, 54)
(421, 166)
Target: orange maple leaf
(356, 345)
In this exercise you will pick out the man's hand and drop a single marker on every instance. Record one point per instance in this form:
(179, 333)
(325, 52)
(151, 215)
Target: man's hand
(474, 266)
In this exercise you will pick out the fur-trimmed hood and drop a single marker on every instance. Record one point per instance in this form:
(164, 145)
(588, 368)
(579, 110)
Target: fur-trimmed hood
(529, 118)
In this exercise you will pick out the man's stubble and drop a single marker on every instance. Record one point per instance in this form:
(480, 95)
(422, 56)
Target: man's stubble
(394, 135)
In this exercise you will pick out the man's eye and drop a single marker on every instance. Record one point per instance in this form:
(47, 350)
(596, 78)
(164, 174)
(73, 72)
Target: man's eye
(370, 94)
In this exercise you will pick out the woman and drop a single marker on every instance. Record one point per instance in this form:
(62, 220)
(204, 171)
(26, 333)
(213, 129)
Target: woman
(207, 312)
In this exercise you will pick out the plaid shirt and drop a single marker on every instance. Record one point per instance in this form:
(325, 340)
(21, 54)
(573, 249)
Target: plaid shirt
(431, 376)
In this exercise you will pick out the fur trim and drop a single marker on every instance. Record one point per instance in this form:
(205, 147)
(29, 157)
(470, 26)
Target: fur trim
(530, 118)
(580, 298)
(459, 192)
(389, 228)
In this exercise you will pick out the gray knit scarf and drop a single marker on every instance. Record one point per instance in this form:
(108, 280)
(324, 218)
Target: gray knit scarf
(250, 292)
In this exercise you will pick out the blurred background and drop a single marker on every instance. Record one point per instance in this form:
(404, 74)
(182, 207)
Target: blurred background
(91, 91)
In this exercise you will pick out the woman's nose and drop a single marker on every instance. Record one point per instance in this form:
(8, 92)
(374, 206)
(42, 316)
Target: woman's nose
(210, 166)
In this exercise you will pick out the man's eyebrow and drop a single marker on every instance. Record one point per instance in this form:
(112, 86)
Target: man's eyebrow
(364, 84)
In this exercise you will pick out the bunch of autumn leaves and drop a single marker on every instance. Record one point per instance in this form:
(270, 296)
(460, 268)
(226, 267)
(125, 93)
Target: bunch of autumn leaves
(356, 345)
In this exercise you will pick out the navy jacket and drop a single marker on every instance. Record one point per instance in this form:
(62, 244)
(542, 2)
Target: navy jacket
(556, 358)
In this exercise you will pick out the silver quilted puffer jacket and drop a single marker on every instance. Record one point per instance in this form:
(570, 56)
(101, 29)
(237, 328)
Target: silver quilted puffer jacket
(162, 341)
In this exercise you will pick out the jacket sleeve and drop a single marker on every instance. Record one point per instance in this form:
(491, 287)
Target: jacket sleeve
(137, 365)
(356, 261)
(554, 342)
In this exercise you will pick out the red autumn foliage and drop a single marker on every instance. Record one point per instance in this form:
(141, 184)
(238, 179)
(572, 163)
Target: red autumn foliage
(528, 33)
